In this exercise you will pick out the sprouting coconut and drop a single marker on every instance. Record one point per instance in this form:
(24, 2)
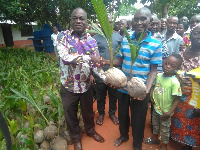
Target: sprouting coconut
(46, 99)
(136, 88)
(115, 77)
(67, 137)
(59, 143)
(20, 136)
(39, 136)
(50, 132)
(45, 146)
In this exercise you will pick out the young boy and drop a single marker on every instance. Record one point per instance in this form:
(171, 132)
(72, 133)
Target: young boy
(165, 96)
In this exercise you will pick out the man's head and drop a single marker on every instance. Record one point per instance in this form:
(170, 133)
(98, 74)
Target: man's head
(79, 20)
(194, 20)
(141, 20)
(184, 19)
(122, 24)
(195, 36)
(181, 28)
(55, 29)
(155, 24)
(172, 63)
(163, 23)
(172, 23)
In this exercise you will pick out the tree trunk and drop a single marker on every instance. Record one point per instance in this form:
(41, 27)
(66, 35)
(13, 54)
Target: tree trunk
(165, 10)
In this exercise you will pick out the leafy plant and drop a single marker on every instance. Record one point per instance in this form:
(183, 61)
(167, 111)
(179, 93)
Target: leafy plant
(133, 48)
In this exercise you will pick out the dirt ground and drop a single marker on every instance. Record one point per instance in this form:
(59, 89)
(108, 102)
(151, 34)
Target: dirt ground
(111, 132)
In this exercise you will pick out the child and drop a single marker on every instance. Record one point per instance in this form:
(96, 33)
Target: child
(165, 96)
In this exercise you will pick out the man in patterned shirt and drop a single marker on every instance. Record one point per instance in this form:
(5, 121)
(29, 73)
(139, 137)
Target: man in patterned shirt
(78, 55)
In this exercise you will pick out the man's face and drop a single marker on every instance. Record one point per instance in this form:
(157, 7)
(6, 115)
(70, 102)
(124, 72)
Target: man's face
(141, 21)
(184, 19)
(180, 29)
(55, 29)
(155, 26)
(79, 21)
(195, 37)
(163, 23)
(194, 21)
(172, 24)
(122, 23)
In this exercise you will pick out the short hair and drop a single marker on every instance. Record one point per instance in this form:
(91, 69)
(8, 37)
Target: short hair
(172, 17)
(186, 25)
(177, 56)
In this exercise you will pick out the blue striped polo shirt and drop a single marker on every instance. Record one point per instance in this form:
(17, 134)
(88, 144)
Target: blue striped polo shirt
(150, 53)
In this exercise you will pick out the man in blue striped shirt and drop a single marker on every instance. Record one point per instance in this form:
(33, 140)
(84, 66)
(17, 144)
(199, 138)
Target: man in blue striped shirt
(145, 67)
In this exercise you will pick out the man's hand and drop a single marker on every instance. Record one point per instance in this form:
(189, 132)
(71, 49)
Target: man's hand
(92, 80)
(98, 61)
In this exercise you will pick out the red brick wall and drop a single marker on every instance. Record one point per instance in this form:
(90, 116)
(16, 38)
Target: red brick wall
(20, 43)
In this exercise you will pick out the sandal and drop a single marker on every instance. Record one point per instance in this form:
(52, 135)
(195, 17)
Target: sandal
(99, 120)
(150, 140)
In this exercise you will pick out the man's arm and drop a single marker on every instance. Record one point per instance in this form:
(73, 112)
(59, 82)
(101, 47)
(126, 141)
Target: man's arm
(151, 77)
(116, 62)
(70, 56)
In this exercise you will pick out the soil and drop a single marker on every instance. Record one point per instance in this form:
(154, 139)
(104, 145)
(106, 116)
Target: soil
(110, 132)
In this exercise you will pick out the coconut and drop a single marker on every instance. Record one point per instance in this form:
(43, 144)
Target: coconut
(39, 136)
(46, 99)
(50, 132)
(115, 77)
(59, 143)
(45, 146)
(136, 88)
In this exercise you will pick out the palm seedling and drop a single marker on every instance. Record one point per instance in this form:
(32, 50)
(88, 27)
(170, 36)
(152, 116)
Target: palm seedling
(114, 76)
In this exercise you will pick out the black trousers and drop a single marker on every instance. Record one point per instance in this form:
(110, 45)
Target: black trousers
(101, 91)
(138, 118)
(70, 105)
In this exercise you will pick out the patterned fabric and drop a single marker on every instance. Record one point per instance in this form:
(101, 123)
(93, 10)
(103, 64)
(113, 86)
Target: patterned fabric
(185, 127)
(164, 91)
(186, 40)
(150, 53)
(74, 57)
(165, 52)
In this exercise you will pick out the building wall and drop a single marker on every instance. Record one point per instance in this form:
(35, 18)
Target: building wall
(19, 41)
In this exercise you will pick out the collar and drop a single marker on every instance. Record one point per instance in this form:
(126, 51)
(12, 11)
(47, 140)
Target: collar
(148, 38)
(174, 36)
(86, 35)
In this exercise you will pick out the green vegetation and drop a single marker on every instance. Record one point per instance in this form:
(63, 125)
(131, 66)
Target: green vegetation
(29, 94)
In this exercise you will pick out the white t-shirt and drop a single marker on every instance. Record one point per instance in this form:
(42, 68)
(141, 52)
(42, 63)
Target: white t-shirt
(54, 38)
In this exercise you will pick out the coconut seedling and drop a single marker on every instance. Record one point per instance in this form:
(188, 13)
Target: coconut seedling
(135, 87)
(114, 76)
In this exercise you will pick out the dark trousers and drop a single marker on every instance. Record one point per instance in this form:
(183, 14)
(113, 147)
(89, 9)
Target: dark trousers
(138, 117)
(70, 105)
(101, 91)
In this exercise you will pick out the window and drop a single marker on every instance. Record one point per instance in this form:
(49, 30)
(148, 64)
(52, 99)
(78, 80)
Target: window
(27, 31)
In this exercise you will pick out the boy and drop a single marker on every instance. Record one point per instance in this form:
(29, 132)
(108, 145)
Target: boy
(165, 96)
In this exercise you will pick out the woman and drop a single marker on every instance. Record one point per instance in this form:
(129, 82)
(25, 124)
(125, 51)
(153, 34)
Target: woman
(186, 121)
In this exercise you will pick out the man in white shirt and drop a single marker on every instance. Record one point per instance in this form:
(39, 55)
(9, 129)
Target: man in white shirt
(54, 39)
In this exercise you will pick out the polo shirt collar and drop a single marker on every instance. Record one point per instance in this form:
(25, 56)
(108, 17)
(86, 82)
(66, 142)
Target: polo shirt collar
(148, 38)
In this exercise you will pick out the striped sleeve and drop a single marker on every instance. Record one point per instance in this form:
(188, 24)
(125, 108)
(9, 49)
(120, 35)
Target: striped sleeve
(157, 55)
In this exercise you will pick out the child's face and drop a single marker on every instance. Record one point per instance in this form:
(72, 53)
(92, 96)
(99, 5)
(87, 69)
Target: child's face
(170, 65)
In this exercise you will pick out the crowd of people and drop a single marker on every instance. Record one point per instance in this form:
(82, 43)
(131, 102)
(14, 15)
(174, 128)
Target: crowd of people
(168, 44)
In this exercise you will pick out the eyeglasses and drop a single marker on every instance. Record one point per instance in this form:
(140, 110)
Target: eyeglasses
(81, 19)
